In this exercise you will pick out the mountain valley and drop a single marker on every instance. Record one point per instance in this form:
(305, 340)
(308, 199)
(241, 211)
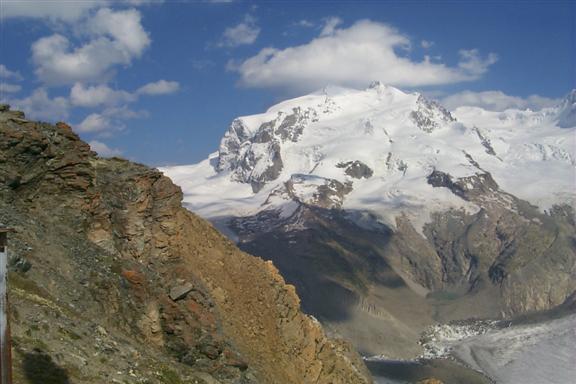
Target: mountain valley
(389, 213)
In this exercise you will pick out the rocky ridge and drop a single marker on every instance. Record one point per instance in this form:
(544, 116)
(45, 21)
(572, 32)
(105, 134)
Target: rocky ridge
(112, 280)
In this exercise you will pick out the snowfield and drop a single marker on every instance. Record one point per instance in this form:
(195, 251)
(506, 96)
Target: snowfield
(401, 137)
(542, 353)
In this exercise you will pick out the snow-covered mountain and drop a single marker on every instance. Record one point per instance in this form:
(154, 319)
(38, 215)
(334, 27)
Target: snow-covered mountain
(389, 213)
(374, 150)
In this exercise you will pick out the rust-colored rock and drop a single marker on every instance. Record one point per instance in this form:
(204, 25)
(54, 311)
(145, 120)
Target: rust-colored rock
(108, 240)
(133, 277)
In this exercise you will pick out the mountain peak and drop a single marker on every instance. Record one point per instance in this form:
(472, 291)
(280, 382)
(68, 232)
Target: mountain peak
(396, 138)
(571, 96)
(567, 111)
(380, 87)
(376, 84)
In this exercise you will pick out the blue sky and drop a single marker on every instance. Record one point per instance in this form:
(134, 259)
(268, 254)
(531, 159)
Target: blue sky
(159, 81)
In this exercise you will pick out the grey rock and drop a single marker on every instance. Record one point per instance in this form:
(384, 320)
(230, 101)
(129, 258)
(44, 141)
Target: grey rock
(272, 171)
(430, 115)
(19, 263)
(329, 194)
(241, 152)
(472, 188)
(230, 146)
(206, 378)
(293, 125)
(356, 169)
(485, 142)
(180, 291)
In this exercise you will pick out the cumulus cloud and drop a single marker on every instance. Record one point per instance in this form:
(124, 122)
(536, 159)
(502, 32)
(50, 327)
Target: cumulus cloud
(244, 33)
(330, 26)
(61, 10)
(9, 88)
(93, 96)
(40, 106)
(117, 37)
(141, 2)
(54, 10)
(472, 63)
(124, 28)
(114, 103)
(160, 87)
(95, 123)
(497, 101)
(5, 73)
(108, 121)
(354, 56)
(104, 150)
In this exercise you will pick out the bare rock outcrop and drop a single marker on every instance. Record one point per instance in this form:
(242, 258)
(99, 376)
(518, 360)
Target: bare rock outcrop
(108, 242)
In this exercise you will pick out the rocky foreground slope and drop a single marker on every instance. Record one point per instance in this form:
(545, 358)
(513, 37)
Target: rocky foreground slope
(112, 281)
(389, 213)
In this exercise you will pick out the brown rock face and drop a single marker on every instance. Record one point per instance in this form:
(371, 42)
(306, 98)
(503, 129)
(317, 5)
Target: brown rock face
(108, 241)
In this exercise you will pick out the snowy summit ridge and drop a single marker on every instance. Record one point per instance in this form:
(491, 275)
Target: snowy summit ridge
(384, 151)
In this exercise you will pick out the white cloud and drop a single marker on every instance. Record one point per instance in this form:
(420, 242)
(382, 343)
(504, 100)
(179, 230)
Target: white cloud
(123, 27)
(95, 123)
(117, 38)
(60, 10)
(160, 87)
(40, 106)
(304, 23)
(354, 56)
(426, 44)
(93, 96)
(108, 121)
(9, 88)
(104, 150)
(142, 2)
(497, 101)
(55, 10)
(330, 26)
(244, 33)
(8, 74)
(472, 63)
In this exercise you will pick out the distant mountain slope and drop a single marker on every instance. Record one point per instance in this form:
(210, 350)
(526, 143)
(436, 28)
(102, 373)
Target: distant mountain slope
(397, 138)
(388, 212)
(112, 281)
